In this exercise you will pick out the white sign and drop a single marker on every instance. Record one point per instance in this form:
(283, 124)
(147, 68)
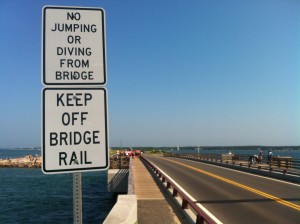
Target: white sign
(75, 135)
(73, 46)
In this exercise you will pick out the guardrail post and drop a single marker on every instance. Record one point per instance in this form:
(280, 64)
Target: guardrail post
(168, 185)
(185, 204)
(175, 193)
(200, 219)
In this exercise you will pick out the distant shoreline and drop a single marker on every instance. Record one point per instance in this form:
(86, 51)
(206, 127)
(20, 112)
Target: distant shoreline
(37, 148)
(146, 148)
(254, 147)
(28, 161)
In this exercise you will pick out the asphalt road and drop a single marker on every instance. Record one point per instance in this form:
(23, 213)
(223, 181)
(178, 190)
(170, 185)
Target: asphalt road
(233, 196)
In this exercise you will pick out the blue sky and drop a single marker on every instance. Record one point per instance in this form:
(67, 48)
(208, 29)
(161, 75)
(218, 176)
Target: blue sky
(207, 73)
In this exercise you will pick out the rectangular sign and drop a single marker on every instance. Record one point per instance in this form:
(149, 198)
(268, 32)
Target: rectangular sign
(73, 46)
(75, 130)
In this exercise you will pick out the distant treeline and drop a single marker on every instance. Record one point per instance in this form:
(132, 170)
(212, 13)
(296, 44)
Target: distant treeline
(211, 148)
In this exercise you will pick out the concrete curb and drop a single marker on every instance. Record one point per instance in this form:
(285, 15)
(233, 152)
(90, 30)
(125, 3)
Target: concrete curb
(124, 211)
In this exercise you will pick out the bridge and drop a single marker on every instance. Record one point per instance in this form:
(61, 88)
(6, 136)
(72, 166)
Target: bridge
(188, 190)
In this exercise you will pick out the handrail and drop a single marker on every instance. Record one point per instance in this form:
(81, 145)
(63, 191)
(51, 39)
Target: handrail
(119, 162)
(202, 216)
(292, 167)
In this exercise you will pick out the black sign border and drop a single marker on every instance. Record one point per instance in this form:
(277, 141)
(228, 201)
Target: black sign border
(106, 134)
(44, 41)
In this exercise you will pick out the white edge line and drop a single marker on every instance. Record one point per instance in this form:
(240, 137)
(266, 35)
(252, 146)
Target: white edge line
(193, 199)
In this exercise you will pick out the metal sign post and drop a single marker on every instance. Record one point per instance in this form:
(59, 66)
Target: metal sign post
(77, 198)
(74, 119)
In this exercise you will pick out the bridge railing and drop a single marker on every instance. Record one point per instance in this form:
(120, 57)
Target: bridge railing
(285, 165)
(119, 162)
(176, 191)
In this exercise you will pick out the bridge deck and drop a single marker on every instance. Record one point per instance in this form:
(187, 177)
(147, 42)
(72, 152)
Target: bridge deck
(152, 205)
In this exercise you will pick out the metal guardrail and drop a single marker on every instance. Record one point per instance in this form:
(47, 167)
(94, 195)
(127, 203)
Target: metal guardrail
(187, 203)
(285, 165)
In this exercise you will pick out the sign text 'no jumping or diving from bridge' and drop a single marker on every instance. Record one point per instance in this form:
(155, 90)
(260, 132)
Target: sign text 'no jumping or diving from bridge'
(73, 46)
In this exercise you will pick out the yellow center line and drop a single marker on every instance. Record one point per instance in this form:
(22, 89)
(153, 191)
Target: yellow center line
(279, 200)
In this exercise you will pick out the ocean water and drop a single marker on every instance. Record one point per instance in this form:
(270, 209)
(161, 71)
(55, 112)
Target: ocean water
(8, 153)
(29, 196)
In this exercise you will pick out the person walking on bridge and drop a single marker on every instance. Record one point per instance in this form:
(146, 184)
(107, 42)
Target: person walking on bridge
(270, 155)
(260, 156)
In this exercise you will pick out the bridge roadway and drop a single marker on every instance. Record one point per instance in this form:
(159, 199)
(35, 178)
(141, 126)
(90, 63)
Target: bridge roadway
(234, 196)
